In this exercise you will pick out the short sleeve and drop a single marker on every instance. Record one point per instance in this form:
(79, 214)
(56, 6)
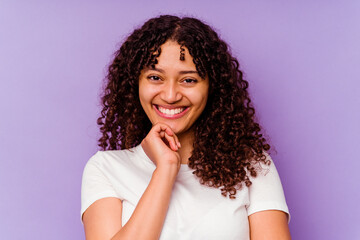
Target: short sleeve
(95, 184)
(266, 192)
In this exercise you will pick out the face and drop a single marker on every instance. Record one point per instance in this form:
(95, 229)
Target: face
(173, 92)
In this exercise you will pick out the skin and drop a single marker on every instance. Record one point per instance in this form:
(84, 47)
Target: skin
(173, 84)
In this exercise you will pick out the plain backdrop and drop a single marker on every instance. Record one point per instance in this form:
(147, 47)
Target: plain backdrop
(300, 57)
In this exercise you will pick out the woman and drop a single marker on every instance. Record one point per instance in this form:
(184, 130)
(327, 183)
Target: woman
(192, 164)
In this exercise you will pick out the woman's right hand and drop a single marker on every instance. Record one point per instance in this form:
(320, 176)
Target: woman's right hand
(103, 218)
(161, 145)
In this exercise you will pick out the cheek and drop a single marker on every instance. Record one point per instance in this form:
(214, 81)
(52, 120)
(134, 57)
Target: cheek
(143, 97)
(145, 104)
(200, 98)
(146, 98)
(145, 93)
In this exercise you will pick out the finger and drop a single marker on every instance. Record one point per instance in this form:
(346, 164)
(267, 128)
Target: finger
(159, 127)
(177, 141)
(172, 142)
(162, 128)
(165, 138)
(166, 128)
(170, 132)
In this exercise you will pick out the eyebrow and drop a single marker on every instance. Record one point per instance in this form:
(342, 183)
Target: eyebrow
(181, 72)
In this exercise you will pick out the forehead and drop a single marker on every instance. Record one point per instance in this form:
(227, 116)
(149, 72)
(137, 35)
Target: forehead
(170, 56)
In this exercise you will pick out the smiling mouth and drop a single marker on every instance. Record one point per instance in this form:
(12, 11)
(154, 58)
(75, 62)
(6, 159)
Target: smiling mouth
(171, 113)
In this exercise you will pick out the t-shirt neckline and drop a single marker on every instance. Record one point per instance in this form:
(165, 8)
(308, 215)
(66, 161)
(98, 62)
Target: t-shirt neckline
(183, 167)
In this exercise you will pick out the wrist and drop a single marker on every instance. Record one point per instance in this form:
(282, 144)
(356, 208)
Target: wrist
(168, 171)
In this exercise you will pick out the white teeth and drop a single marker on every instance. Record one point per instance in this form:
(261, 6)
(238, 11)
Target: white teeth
(171, 111)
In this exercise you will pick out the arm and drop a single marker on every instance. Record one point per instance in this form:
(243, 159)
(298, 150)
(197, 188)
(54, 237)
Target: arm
(269, 225)
(268, 210)
(102, 220)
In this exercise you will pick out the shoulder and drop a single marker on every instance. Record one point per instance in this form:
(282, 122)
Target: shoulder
(265, 170)
(266, 191)
(111, 159)
(108, 173)
(267, 178)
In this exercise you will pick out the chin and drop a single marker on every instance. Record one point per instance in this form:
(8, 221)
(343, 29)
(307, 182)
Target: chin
(176, 129)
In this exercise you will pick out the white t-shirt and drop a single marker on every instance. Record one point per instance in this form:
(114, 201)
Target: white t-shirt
(195, 211)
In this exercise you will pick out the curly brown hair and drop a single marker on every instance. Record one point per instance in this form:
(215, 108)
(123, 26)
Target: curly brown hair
(228, 144)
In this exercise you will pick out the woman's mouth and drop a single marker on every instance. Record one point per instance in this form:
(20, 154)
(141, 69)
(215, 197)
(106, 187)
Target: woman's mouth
(170, 113)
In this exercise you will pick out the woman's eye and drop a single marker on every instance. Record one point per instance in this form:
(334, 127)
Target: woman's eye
(190, 80)
(154, 78)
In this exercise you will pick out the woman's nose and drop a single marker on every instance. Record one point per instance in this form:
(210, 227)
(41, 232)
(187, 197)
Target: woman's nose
(171, 93)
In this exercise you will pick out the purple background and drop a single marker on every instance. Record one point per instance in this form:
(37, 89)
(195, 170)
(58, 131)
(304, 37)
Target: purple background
(302, 60)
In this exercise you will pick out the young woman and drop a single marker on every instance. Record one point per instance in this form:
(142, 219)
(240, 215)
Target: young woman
(193, 163)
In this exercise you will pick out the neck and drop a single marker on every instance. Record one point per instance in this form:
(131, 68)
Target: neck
(186, 140)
